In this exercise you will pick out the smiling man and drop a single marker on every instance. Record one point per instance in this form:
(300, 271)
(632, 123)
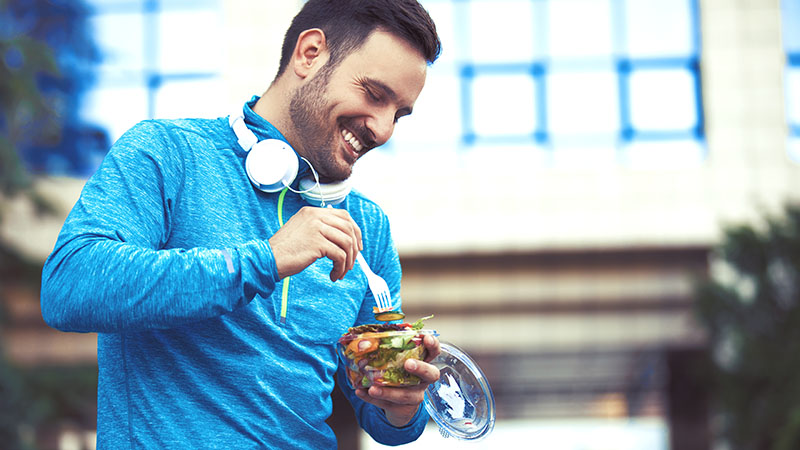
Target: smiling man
(219, 294)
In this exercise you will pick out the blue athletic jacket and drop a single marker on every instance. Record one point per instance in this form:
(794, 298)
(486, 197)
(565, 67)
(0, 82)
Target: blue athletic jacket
(165, 255)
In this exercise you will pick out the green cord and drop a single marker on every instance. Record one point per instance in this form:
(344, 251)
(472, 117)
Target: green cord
(285, 291)
(280, 206)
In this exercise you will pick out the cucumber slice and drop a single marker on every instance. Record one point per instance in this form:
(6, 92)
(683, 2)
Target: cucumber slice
(389, 316)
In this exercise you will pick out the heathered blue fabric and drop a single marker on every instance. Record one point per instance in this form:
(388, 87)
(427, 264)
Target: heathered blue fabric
(165, 255)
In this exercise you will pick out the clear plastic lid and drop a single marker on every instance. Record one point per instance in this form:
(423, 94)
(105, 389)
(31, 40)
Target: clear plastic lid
(384, 334)
(461, 402)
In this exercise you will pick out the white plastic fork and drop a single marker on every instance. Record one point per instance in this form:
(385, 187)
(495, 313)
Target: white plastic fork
(378, 286)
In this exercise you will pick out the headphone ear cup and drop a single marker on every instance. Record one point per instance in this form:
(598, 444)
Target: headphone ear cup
(271, 165)
(327, 193)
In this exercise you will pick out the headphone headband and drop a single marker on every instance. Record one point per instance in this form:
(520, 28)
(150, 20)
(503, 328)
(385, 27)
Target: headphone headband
(247, 139)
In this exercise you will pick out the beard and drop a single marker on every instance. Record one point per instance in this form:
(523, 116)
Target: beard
(310, 114)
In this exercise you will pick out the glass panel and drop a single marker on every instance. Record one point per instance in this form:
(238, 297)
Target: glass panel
(436, 118)
(191, 98)
(658, 28)
(119, 38)
(794, 149)
(791, 25)
(579, 28)
(793, 95)
(115, 108)
(502, 31)
(663, 100)
(503, 105)
(442, 14)
(189, 41)
(583, 102)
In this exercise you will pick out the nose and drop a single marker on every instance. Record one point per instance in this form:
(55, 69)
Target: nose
(382, 126)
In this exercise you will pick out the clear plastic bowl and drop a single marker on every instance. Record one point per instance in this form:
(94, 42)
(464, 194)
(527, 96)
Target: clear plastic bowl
(378, 358)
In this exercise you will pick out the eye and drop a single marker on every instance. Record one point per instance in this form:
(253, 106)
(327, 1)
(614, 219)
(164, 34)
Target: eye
(372, 96)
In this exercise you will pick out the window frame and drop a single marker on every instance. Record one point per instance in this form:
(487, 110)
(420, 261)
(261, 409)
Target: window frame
(541, 68)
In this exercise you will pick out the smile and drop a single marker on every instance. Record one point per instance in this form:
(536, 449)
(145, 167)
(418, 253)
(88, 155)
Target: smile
(352, 140)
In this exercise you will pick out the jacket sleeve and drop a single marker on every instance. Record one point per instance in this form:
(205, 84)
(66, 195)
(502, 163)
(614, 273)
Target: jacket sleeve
(109, 272)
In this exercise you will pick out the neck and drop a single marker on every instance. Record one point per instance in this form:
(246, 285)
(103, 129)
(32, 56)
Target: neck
(273, 106)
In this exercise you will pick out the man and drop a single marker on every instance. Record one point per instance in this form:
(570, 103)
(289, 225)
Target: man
(183, 266)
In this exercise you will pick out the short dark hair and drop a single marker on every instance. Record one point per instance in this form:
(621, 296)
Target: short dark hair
(348, 23)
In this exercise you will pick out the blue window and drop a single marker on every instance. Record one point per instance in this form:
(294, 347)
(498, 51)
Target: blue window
(153, 64)
(791, 40)
(615, 78)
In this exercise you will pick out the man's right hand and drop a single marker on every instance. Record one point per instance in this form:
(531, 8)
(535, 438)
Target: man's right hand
(314, 233)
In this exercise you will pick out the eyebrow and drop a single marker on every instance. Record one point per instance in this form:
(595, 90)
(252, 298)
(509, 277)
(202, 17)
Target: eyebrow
(389, 92)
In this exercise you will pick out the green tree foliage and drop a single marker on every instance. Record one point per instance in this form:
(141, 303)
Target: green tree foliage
(22, 106)
(25, 111)
(751, 309)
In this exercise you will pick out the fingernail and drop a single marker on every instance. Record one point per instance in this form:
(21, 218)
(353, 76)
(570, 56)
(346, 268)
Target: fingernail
(377, 391)
(412, 364)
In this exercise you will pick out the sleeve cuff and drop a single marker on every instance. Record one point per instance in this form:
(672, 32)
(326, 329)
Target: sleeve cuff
(257, 268)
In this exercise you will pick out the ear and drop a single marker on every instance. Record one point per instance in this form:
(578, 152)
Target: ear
(310, 52)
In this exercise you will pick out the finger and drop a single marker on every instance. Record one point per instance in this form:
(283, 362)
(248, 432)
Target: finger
(432, 347)
(392, 397)
(376, 397)
(343, 242)
(359, 239)
(355, 234)
(356, 229)
(351, 226)
(338, 257)
(427, 372)
(351, 240)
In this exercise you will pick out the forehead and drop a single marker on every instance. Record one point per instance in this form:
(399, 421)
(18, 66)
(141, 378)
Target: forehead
(390, 60)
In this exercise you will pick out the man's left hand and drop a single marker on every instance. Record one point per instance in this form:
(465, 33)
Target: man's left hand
(401, 403)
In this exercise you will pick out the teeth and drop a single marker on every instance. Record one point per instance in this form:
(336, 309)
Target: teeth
(348, 136)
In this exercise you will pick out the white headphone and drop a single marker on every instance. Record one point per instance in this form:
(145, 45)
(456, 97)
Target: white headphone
(272, 165)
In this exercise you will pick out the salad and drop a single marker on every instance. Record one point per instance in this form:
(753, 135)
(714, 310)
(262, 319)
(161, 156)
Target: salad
(375, 353)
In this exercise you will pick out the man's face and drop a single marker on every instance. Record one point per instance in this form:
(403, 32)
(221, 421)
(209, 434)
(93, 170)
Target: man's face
(341, 114)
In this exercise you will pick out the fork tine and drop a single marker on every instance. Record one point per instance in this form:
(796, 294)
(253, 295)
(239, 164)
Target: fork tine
(379, 300)
(386, 300)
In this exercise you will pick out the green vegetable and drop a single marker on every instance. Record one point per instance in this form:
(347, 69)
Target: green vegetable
(365, 381)
(389, 316)
(397, 375)
(398, 342)
(420, 323)
(383, 356)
